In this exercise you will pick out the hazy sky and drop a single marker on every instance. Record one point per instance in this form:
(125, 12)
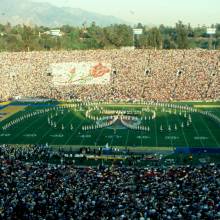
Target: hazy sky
(151, 11)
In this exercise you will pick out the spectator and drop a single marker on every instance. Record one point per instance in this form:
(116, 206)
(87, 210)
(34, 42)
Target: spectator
(174, 75)
(45, 191)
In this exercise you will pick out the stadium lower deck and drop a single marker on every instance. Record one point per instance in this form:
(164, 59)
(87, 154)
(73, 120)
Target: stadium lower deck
(135, 125)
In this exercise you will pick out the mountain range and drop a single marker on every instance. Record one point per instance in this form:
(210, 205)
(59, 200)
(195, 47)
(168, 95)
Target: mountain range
(45, 14)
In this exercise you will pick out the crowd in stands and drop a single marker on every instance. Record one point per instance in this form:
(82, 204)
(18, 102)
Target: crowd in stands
(136, 74)
(31, 188)
(38, 190)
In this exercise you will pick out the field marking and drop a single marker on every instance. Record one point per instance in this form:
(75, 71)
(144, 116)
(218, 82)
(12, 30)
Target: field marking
(64, 104)
(195, 129)
(112, 139)
(171, 137)
(141, 139)
(42, 125)
(155, 128)
(74, 132)
(10, 110)
(4, 103)
(100, 133)
(183, 132)
(171, 140)
(206, 106)
(5, 135)
(30, 135)
(200, 138)
(25, 128)
(210, 132)
(126, 140)
(57, 135)
(86, 136)
(144, 137)
(50, 129)
(41, 116)
(81, 142)
(79, 115)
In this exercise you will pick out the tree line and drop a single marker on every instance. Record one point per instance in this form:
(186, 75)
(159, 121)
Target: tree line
(182, 36)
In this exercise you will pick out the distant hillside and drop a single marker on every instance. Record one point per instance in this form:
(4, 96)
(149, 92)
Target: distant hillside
(27, 12)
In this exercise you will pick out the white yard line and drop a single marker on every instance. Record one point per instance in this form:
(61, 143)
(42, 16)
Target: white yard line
(126, 142)
(100, 133)
(210, 132)
(155, 127)
(171, 141)
(182, 130)
(195, 129)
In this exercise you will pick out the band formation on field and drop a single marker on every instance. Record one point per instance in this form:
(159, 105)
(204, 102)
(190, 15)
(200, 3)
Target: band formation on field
(140, 124)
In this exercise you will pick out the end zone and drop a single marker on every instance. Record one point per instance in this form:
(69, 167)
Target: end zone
(9, 111)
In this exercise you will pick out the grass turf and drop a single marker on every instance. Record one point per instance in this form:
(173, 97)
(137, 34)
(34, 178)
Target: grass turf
(203, 132)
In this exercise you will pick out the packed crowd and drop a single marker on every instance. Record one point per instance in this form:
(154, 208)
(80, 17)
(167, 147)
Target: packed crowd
(38, 190)
(137, 74)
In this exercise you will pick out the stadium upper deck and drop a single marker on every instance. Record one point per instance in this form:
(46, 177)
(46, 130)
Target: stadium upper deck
(150, 74)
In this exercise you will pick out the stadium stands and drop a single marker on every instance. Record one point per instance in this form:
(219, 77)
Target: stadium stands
(173, 75)
(38, 190)
(32, 188)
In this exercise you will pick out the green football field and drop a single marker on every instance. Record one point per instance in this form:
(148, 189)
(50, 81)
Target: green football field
(125, 124)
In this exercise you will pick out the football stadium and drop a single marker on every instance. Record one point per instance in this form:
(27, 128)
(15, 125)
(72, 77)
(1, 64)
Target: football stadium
(129, 122)
(141, 124)
(112, 98)
(102, 119)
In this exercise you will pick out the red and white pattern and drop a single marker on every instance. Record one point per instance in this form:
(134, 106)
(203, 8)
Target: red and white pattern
(82, 73)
